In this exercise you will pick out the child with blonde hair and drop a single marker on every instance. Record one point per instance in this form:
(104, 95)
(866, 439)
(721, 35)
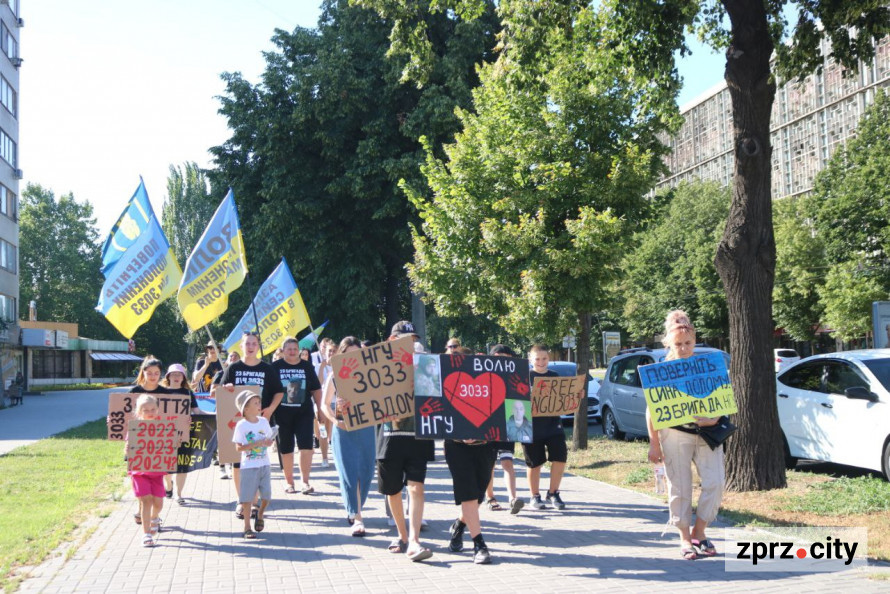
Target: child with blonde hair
(148, 487)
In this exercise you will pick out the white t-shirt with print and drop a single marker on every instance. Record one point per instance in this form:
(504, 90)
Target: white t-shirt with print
(246, 433)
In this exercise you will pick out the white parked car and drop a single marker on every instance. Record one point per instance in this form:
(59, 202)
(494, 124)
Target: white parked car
(835, 407)
(784, 358)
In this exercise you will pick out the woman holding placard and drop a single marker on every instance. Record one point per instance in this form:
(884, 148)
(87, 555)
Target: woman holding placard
(354, 451)
(681, 446)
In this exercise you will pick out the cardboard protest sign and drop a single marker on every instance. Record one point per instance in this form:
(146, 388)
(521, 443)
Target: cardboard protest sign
(227, 416)
(151, 445)
(171, 407)
(678, 391)
(557, 396)
(375, 384)
(197, 452)
(120, 410)
(472, 402)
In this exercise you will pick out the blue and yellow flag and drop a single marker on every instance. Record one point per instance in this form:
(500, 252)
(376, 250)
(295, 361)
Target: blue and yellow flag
(279, 308)
(216, 268)
(139, 267)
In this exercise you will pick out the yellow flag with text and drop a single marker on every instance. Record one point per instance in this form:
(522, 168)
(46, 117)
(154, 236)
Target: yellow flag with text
(215, 268)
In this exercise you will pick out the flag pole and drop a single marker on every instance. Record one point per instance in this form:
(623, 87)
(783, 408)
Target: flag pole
(256, 320)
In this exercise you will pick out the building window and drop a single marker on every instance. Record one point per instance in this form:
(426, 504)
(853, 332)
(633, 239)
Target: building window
(8, 43)
(52, 364)
(7, 149)
(8, 202)
(7, 308)
(8, 96)
(7, 256)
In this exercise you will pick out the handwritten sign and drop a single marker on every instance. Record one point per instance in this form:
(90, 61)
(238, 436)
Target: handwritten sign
(557, 396)
(472, 404)
(151, 445)
(197, 452)
(678, 391)
(376, 384)
(227, 416)
(171, 407)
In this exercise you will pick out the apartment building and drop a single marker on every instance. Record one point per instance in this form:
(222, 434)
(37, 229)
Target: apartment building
(810, 120)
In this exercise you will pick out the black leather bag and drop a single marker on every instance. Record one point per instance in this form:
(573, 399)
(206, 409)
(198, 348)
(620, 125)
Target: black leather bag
(715, 435)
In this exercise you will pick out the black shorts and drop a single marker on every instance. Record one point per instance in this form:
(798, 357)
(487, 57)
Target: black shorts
(470, 467)
(394, 473)
(504, 449)
(556, 450)
(294, 422)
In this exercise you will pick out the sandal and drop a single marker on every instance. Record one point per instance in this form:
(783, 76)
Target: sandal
(358, 529)
(493, 505)
(137, 518)
(259, 524)
(253, 512)
(249, 534)
(307, 489)
(181, 501)
(397, 546)
(419, 553)
(148, 541)
(156, 525)
(239, 511)
(704, 547)
(290, 490)
(689, 553)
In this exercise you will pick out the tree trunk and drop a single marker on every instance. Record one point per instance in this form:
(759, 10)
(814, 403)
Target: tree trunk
(746, 256)
(579, 435)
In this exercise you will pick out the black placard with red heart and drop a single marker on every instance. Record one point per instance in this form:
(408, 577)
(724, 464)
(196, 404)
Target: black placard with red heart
(474, 391)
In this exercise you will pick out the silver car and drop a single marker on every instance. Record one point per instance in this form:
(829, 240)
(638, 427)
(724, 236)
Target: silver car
(622, 404)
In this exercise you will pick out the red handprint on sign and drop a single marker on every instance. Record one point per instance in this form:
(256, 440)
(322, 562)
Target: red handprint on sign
(519, 384)
(348, 366)
(432, 405)
(234, 421)
(404, 356)
(494, 434)
(457, 360)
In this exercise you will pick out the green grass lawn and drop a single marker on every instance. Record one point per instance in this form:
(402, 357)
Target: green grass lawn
(810, 499)
(49, 488)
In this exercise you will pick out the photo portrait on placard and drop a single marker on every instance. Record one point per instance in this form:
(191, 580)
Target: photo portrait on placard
(427, 376)
(519, 420)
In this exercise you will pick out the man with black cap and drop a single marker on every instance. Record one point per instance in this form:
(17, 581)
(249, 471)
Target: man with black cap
(206, 369)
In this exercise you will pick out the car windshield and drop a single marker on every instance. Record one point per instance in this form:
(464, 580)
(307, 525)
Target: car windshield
(786, 353)
(881, 369)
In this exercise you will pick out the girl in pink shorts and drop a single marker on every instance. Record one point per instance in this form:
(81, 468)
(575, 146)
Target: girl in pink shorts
(148, 486)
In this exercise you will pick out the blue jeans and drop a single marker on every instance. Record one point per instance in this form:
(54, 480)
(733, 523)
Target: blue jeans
(355, 454)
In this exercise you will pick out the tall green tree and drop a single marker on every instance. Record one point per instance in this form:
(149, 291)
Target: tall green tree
(672, 263)
(652, 33)
(318, 148)
(59, 260)
(540, 191)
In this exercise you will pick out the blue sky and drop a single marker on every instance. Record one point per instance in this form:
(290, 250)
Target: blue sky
(114, 90)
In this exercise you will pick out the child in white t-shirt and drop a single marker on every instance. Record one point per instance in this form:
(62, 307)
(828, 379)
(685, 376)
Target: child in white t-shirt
(253, 436)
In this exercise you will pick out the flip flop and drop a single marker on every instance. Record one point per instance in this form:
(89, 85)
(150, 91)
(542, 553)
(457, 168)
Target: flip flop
(705, 547)
(249, 534)
(397, 546)
(419, 554)
(689, 553)
(259, 524)
(290, 490)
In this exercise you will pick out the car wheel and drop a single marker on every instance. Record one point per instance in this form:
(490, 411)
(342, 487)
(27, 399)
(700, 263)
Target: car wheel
(790, 461)
(885, 460)
(610, 425)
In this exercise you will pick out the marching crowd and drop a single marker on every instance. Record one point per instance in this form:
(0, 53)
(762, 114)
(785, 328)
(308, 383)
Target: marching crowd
(298, 409)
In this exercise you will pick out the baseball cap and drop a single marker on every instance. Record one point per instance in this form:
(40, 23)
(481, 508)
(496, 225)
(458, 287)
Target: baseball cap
(403, 328)
(243, 398)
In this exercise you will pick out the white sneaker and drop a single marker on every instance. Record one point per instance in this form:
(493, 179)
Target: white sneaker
(324, 464)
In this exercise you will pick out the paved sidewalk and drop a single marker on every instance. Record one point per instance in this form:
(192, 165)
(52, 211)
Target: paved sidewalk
(49, 413)
(608, 539)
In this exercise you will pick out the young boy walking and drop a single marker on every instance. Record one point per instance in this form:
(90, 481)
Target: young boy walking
(549, 440)
(253, 437)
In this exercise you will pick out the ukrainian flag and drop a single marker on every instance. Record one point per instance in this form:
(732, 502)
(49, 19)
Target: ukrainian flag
(279, 309)
(215, 268)
(139, 267)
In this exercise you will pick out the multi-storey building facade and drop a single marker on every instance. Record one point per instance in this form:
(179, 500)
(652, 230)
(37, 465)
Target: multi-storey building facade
(10, 173)
(810, 120)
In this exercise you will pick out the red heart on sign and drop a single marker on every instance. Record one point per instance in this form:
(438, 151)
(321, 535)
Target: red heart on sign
(475, 398)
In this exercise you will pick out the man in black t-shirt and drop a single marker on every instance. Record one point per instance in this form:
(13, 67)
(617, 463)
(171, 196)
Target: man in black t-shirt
(549, 440)
(295, 415)
(206, 369)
